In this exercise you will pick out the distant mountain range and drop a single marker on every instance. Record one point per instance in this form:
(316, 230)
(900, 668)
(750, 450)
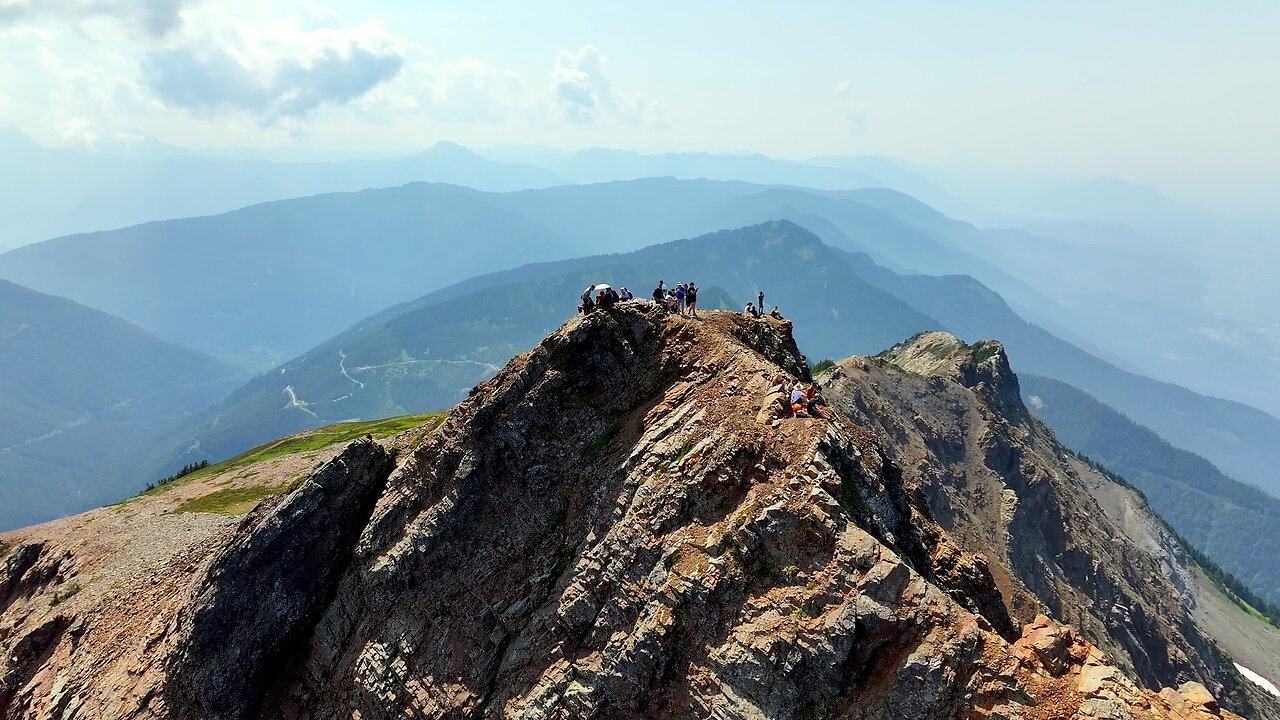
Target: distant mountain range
(265, 283)
(50, 192)
(1139, 278)
(81, 393)
(277, 278)
(261, 284)
(1237, 437)
(429, 352)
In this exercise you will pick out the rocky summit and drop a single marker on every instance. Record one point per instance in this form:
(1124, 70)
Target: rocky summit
(628, 521)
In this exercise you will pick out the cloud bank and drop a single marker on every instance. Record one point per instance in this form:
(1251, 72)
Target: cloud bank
(286, 72)
(155, 18)
(258, 72)
(581, 92)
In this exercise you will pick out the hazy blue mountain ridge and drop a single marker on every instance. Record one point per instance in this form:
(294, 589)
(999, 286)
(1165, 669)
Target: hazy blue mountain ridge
(266, 282)
(1236, 437)
(260, 284)
(429, 352)
(81, 393)
(300, 271)
(50, 192)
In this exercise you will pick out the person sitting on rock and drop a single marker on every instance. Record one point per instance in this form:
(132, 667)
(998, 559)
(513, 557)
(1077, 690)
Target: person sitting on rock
(625, 294)
(587, 305)
(750, 309)
(812, 399)
(775, 314)
(797, 401)
(608, 298)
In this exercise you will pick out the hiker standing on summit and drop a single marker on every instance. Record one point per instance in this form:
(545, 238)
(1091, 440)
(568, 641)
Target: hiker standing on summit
(760, 297)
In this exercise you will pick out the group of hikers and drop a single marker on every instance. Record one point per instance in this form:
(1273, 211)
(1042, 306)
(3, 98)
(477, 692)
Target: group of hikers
(600, 296)
(682, 299)
(796, 398)
(754, 311)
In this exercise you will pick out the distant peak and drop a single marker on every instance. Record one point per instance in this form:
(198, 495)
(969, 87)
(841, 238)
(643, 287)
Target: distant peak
(11, 136)
(929, 353)
(982, 367)
(449, 149)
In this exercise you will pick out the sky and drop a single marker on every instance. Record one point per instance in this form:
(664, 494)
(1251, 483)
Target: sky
(1182, 95)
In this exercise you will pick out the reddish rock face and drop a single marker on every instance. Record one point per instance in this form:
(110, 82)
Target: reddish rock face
(620, 524)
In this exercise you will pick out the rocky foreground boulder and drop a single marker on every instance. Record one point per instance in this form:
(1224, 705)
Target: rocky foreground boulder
(625, 522)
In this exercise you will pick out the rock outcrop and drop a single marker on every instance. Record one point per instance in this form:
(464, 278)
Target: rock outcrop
(257, 604)
(623, 523)
(996, 479)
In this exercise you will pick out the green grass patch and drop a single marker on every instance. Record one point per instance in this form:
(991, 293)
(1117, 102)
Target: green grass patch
(232, 501)
(563, 558)
(1239, 601)
(941, 350)
(684, 450)
(605, 438)
(64, 594)
(316, 439)
(984, 350)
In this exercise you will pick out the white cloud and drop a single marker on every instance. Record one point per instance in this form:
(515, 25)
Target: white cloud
(468, 89)
(22, 32)
(258, 73)
(849, 108)
(273, 70)
(319, 13)
(155, 18)
(83, 101)
(582, 93)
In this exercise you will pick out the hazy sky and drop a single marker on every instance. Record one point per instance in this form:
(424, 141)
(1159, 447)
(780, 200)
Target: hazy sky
(1183, 95)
